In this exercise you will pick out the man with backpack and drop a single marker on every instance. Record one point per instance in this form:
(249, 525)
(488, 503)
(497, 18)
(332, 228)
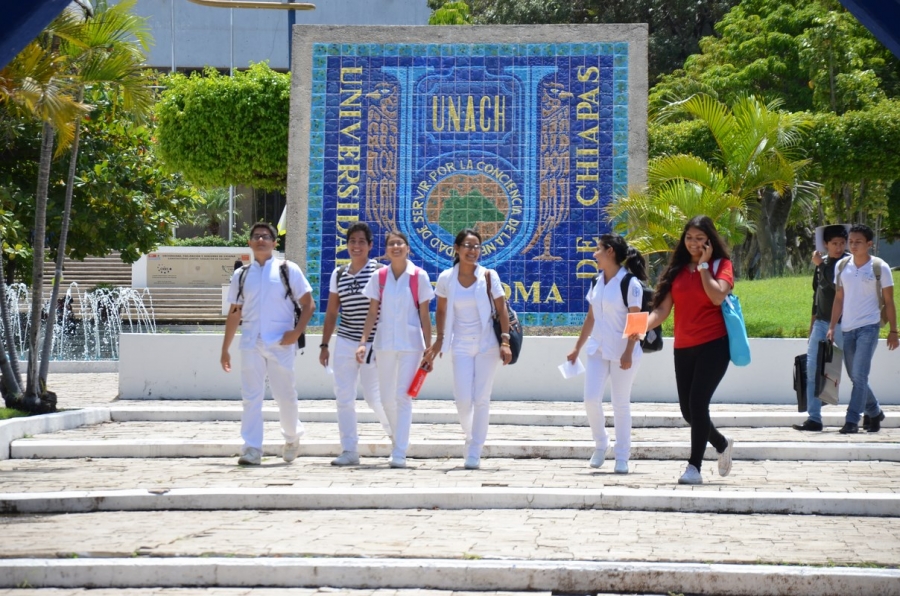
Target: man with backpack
(863, 302)
(266, 295)
(835, 241)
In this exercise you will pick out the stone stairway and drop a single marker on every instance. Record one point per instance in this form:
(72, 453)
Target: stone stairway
(150, 497)
(169, 305)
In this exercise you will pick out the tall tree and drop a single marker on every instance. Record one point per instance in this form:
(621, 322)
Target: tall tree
(221, 131)
(810, 54)
(108, 51)
(38, 82)
(675, 26)
(755, 157)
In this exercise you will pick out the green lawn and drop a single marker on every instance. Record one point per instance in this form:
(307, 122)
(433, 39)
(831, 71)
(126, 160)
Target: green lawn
(781, 307)
(7, 413)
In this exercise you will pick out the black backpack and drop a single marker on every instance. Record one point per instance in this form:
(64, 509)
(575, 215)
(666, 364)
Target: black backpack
(653, 341)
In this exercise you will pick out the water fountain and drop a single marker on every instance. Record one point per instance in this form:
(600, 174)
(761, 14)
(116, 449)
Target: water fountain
(88, 324)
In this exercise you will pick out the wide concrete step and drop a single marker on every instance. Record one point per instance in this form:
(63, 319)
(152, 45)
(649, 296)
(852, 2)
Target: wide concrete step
(450, 430)
(162, 474)
(674, 450)
(178, 412)
(279, 591)
(521, 549)
(448, 499)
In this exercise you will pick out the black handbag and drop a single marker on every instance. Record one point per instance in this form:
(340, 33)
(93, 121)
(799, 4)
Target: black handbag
(515, 328)
(800, 381)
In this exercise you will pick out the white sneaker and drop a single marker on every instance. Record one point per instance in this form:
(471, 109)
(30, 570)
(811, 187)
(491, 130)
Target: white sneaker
(725, 459)
(346, 458)
(691, 476)
(397, 461)
(621, 466)
(290, 451)
(472, 463)
(598, 458)
(250, 456)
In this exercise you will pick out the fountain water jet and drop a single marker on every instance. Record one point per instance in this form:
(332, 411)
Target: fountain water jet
(88, 324)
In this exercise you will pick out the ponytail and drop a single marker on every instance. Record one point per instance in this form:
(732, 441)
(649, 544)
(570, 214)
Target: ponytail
(635, 264)
(626, 256)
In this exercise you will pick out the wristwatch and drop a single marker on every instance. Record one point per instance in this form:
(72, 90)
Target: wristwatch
(703, 266)
(323, 346)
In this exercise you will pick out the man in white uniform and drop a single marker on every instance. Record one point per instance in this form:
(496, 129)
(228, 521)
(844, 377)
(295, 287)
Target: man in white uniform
(268, 340)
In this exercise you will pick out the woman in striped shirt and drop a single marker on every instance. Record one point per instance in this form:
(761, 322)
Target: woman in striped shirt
(345, 297)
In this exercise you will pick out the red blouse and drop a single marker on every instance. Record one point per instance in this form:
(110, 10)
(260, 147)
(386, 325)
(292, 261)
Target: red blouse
(697, 319)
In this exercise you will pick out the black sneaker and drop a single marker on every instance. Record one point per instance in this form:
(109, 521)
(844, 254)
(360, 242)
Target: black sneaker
(866, 421)
(875, 423)
(808, 425)
(849, 429)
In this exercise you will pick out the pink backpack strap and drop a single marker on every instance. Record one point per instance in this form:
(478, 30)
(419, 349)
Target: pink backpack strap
(382, 281)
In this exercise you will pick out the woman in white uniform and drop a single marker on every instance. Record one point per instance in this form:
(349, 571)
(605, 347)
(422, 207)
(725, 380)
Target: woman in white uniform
(404, 332)
(609, 355)
(464, 310)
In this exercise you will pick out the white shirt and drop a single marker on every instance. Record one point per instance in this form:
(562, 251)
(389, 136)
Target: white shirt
(861, 305)
(447, 285)
(466, 322)
(399, 326)
(266, 312)
(610, 313)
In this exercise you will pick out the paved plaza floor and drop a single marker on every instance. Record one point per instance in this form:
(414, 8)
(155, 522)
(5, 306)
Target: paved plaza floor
(645, 534)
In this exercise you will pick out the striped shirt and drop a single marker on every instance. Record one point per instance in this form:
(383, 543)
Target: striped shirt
(354, 306)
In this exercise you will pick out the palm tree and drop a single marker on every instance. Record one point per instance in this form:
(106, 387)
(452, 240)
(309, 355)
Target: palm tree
(214, 209)
(37, 83)
(756, 163)
(108, 50)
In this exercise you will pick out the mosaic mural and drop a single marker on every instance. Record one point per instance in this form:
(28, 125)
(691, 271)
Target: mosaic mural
(526, 143)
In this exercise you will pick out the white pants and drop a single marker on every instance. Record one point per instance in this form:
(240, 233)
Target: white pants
(473, 380)
(276, 362)
(597, 372)
(395, 373)
(347, 372)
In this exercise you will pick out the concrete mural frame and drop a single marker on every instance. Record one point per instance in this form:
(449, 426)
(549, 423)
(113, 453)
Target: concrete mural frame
(307, 38)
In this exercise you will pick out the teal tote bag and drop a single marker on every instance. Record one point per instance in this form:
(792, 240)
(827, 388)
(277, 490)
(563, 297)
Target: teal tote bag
(738, 342)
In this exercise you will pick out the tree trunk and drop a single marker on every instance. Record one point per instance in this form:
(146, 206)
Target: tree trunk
(9, 361)
(771, 232)
(61, 253)
(33, 389)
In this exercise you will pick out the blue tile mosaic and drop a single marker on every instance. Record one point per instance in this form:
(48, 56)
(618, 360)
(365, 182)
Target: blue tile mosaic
(524, 142)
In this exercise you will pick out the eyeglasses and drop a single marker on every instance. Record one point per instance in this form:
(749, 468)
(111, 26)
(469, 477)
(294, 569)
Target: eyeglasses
(470, 246)
(396, 243)
(261, 237)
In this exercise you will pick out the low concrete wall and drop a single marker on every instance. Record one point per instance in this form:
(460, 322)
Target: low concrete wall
(161, 366)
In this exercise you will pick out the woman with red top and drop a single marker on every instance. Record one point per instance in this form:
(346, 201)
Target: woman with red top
(696, 281)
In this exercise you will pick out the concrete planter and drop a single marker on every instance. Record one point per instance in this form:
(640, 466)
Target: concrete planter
(161, 366)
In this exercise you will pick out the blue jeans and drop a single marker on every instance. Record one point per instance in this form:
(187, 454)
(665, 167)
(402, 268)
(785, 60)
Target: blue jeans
(819, 330)
(859, 348)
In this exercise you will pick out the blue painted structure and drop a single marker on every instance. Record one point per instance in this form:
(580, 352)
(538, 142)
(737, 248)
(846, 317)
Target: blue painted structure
(22, 22)
(881, 17)
(526, 143)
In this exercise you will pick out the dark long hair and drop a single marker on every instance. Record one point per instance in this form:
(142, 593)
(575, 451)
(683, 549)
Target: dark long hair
(626, 256)
(459, 240)
(681, 256)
